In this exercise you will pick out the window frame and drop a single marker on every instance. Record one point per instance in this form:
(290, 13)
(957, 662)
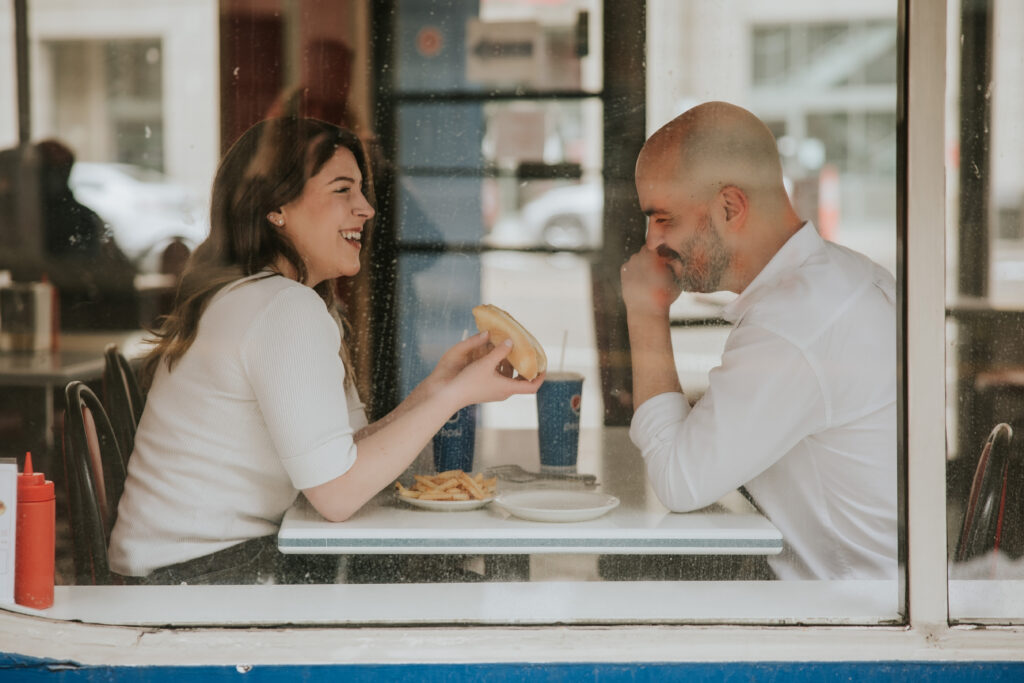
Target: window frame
(927, 636)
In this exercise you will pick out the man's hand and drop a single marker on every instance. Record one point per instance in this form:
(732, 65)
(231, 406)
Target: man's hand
(649, 286)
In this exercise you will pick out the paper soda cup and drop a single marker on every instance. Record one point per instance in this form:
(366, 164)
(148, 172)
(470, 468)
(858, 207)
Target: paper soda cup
(455, 441)
(558, 420)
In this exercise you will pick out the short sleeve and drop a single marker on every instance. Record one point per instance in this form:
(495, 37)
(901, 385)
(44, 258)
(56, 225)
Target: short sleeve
(291, 358)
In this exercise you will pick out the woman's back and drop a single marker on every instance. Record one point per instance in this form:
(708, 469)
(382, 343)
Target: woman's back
(251, 413)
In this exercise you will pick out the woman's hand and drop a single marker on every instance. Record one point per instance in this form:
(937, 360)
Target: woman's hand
(451, 363)
(456, 360)
(468, 373)
(459, 356)
(484, 379)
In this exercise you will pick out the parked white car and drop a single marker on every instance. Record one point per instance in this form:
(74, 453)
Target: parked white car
(566, 217)
(145, 210)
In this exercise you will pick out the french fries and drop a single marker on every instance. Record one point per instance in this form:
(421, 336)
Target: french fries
(450, 485)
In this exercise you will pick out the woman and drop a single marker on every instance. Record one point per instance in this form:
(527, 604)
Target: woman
(252, 398)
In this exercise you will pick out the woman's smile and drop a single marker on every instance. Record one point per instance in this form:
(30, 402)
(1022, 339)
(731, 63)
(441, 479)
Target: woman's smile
(331, 198)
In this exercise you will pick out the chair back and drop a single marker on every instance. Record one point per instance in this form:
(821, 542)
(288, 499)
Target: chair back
(122, 398)
(95, 474)
(986, 505)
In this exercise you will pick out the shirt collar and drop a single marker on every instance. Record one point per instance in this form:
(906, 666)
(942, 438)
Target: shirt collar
(794, 252)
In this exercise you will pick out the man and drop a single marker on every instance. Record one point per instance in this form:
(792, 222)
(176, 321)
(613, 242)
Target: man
(802, 410)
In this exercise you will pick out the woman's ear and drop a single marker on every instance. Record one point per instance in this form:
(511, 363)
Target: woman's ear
(735, 204)
(276, 218)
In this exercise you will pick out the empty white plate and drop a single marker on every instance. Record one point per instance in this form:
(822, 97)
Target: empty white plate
(557, 505)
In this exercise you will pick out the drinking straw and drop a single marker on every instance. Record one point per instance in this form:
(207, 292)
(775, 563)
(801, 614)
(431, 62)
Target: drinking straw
(561, 360)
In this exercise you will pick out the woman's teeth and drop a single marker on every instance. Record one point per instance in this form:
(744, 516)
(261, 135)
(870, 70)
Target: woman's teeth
(354, 235)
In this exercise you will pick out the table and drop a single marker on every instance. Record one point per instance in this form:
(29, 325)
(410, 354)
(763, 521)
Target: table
(640, 525)
(80, 357)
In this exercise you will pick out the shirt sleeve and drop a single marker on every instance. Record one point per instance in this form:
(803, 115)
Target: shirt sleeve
(761, 401)
(291, 358)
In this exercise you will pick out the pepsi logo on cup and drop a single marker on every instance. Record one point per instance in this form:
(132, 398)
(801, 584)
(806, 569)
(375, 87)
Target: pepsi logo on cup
(574, 403)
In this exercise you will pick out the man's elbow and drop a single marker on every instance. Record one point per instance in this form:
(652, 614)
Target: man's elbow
(679, 505)
(680, 497)
(689, 507)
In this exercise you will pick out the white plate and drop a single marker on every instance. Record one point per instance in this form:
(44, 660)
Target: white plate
(557, 505)
(445, 505)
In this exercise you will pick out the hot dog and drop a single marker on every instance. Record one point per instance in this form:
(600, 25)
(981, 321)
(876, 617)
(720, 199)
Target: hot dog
(527, 356)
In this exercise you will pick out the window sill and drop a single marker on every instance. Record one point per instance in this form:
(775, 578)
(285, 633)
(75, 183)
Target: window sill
(446, 624)
(528, 604)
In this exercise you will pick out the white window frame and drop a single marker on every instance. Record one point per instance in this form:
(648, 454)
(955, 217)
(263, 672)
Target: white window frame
(926, 637)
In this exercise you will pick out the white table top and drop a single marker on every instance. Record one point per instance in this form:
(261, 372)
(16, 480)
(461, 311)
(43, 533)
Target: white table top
(640, 525)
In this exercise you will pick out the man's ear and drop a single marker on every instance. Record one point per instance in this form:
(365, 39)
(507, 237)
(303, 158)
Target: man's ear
(735, 205)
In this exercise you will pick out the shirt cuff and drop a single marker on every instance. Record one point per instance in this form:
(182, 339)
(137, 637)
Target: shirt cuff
(647, 428)
(324, 463)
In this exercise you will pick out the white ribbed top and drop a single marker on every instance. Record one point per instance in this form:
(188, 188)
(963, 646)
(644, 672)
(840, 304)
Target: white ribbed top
(255, 411)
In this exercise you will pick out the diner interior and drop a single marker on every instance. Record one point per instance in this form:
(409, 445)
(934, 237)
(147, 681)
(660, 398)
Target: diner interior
(502, 175)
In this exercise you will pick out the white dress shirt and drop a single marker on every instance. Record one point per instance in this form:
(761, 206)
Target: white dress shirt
(252, 413)
(802, 411)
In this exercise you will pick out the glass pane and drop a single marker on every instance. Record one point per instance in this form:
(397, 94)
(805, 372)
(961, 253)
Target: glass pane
(525, 173)
(436, 293)
(440, 136)
(100, 207)
(985, 312)
(496, 185)
(522, 134)
(553, 214)
(826, 86)
(497, 45)
(8, 78)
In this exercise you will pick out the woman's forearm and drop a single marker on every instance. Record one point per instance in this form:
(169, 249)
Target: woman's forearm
(422, 392)
(384, 450)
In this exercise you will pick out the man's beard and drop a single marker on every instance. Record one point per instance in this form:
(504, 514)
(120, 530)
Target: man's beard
(703, 261)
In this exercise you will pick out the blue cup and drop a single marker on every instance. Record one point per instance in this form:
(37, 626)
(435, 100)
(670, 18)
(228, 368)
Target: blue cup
(558, 421)
(455, 441)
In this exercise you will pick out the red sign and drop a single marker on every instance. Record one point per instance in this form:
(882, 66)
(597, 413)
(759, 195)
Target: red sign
(429, 41)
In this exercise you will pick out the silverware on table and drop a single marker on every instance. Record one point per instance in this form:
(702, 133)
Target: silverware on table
(515, 473)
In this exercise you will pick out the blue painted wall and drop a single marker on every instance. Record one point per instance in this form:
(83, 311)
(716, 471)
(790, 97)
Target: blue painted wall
(14, 668)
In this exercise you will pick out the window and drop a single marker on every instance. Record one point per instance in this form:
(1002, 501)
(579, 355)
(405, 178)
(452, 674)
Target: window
(846, 123)
(984, 196)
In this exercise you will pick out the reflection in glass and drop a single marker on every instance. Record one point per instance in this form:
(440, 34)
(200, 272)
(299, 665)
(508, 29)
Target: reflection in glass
(985, 311)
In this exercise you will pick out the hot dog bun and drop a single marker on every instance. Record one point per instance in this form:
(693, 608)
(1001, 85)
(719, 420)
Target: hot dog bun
(527, 356)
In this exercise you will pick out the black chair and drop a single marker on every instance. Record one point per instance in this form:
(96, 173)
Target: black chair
(985, 512)
(95, 474)
(122, 398)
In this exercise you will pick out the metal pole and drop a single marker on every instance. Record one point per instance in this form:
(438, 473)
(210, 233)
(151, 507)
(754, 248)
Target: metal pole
(22, 68)
(975, 115)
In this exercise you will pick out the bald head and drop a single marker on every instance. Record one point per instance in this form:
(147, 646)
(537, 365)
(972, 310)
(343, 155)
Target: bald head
(710, 182)
(714, 145)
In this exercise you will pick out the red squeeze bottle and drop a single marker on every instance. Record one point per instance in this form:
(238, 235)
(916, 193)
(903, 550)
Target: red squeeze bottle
(34, 539)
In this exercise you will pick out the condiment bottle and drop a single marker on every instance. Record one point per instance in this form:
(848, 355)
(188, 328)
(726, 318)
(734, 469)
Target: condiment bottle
(34, 539)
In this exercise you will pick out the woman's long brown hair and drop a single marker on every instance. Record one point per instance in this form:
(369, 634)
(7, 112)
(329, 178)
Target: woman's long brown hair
(265, 169)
